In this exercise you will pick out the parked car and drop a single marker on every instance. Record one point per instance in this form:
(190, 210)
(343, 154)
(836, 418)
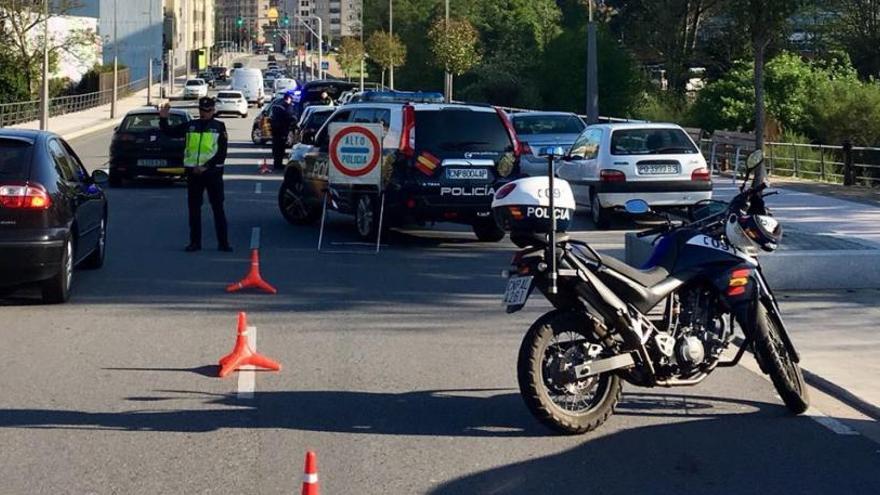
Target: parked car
(261, 130)
(195, 88)
(443, 162)
(53, 214)
(139, 149)
(209, 77)
(609, 164)
(540, 130)
(231, 102)
(284, 84)
(221, 73)
(250, 83)
(310, 92)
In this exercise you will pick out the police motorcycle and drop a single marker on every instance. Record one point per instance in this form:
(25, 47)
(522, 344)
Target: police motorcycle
(664, 325)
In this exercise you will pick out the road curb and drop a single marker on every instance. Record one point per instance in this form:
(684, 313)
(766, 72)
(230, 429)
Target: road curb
(88, 130)
(834, 390)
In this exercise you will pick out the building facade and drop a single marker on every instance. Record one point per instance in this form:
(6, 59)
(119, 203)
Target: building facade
(340, 17)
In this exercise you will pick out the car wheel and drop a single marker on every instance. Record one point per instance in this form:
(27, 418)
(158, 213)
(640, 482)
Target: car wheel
(256, 135)
(57, 289)
(96, 259)
(487, 230)
(244, 115)
(366, 217)
(599, 215)
(292, 201)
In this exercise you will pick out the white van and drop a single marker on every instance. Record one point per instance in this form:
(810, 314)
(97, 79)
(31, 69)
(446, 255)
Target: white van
(250, 83)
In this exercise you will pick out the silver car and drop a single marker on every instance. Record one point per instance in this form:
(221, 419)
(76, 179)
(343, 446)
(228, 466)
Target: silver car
(540, 130)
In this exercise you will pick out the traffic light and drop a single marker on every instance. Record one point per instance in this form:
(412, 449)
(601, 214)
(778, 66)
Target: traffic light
(239, 22)
(285, 21)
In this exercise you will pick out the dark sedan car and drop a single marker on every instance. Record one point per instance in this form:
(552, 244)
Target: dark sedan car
(53, 214)
(140, 149)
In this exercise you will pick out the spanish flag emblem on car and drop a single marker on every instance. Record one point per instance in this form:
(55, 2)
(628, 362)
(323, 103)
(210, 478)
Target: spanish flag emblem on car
(427, 163)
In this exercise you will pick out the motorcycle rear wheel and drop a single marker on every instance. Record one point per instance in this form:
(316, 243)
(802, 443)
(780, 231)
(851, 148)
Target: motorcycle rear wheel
(777, 362)
(543, 350)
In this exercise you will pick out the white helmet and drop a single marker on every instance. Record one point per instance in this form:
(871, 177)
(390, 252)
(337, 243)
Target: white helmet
(753, 232)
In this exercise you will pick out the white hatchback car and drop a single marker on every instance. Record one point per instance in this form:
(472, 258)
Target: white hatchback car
(195, 88)
(232, 102)
(610, 164)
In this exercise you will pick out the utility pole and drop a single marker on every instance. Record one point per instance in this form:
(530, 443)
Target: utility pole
(391, 37)
(592, 69)
(44, 90)
(447, 81)
(150, 82)
(363, 50)
(320, 47)
(115, 60)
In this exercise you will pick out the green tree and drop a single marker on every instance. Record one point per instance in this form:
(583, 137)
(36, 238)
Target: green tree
(454, 45)
(764, 21)
(21, 30)
(386, 50)
(351, 54)
(856, 28)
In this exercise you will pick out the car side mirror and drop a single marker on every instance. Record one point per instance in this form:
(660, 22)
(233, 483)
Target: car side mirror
(100, 177)
(637, 207)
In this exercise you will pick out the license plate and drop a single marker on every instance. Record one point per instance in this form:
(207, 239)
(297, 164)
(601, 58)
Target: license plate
(659, 169)
(467, 173)
(517, 291)
(151, 162)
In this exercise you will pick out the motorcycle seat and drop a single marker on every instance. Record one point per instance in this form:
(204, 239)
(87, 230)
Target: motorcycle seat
(645, 278)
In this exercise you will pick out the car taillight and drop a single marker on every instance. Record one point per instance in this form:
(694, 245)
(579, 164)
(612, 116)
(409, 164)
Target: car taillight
(407, 134)
(124, 137)
(25, 196)
(701, 174)
(607, 175)
(517, 147)
(505, 190)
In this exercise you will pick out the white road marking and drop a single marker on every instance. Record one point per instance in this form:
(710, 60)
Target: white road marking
(830, 423)
(247, 379)
(258, 188)
(255, 238)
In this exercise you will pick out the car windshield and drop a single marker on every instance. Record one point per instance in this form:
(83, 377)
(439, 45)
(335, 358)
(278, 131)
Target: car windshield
(460, 130)
(658, 141)
(228, 95)
(15, 159)
(547, 124)
(194, 82)
(148, 121)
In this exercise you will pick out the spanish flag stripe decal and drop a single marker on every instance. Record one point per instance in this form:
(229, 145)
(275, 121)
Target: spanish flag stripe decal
(433, 159)
(426, 162)
(423, 169)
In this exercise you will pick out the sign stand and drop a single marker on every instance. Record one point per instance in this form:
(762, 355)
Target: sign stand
(355, 159)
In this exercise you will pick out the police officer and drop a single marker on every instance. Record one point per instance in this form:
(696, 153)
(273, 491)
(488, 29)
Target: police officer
(203, 157)
(281, 118)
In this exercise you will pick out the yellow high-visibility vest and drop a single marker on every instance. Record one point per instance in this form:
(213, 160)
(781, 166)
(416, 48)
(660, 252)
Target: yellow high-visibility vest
(200, 147)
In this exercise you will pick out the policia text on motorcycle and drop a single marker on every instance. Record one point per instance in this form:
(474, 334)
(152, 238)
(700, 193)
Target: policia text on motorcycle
(203, 158)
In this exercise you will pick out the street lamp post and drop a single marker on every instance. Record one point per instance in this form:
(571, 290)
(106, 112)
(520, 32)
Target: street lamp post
(447, 80)
(592, 69)
(115, 61)
(44, 90)
(391, 37)
(363, 51)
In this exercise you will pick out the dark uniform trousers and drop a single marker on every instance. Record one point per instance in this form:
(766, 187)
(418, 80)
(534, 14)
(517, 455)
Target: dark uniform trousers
(278, 150)
(210, 180)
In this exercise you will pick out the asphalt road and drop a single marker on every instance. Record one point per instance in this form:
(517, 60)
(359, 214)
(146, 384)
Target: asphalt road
(399, 371)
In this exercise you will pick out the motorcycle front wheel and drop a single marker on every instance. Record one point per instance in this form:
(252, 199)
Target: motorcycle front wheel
(778, 363)
(550, 349)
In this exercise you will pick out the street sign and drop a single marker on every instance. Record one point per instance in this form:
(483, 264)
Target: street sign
(355, 154)
(325, 65)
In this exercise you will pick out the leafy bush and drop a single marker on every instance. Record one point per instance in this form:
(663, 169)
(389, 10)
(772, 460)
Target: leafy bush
(846, 109)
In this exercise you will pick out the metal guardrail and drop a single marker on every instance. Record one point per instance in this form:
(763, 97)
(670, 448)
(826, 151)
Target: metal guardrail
(27, 111)
(839, 164)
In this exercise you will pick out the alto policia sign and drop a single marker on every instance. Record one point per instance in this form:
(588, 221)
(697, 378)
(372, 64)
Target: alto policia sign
(356, 154)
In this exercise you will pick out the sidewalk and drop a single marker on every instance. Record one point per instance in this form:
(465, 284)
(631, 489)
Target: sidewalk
(73, 125)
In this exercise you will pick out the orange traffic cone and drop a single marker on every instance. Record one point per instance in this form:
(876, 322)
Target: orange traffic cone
(253, 280)
(310, 476)
(243, 355)
(265, 168)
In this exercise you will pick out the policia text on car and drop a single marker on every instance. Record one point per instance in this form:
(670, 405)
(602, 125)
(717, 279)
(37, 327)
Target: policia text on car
(203, 157)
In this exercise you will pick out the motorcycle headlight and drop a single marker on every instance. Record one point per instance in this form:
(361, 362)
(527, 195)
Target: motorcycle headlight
(505, 165)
